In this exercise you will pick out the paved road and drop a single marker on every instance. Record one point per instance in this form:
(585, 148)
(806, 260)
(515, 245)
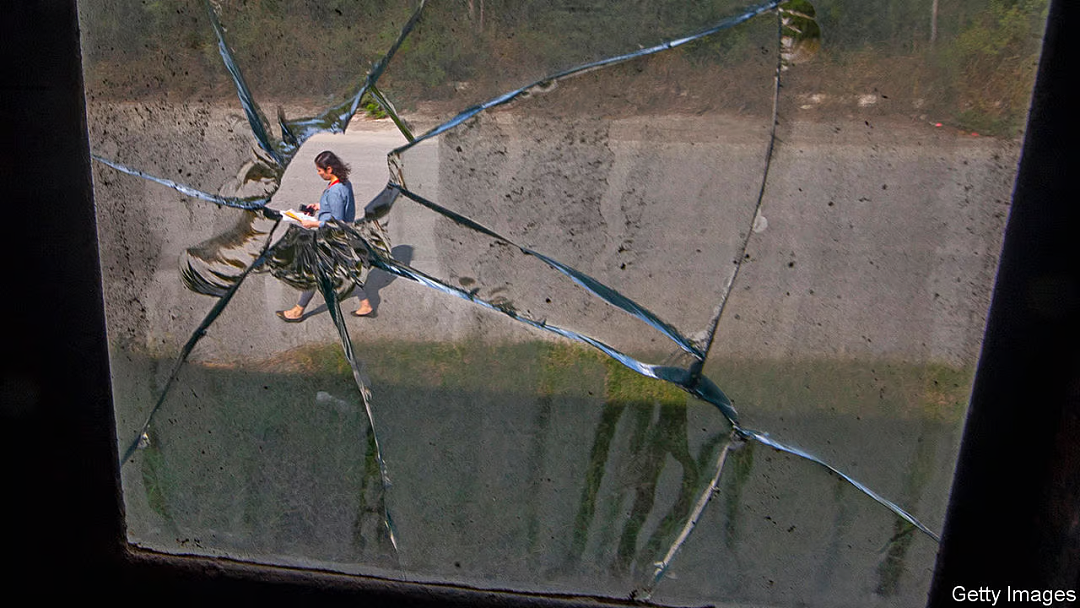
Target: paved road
(363, 147)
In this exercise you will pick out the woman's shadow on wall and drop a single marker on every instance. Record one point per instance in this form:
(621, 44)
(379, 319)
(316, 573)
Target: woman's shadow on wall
(377, 280)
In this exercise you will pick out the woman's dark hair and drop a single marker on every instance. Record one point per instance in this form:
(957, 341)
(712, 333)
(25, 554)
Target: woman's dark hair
(328, 160)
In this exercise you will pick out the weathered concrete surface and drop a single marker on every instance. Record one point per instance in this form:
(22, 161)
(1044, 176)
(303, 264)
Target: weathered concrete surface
(878, 239)
(498, 482)
(491, 482)
(884, 241)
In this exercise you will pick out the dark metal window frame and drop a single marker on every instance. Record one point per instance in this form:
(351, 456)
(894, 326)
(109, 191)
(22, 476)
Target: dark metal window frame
(1014, 515)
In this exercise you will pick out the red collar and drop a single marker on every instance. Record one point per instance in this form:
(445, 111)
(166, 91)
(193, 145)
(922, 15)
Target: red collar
(332, 182)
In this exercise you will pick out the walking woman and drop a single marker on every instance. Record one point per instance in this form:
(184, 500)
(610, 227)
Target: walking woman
(337, 203)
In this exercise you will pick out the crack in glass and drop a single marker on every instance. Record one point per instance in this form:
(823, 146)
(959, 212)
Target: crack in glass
(338, 255)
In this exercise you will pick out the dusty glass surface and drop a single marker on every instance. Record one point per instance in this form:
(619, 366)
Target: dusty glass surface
(672, 300)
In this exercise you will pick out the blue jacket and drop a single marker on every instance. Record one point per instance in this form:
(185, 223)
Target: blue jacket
(337, 203)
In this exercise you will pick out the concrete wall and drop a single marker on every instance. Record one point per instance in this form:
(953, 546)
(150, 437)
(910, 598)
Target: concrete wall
(874, 241)
(877, 239)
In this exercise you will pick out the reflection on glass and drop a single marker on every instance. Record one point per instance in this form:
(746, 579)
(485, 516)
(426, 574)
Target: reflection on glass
(678, 302)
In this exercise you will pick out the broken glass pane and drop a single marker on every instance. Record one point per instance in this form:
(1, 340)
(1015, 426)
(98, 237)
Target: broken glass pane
(671, 300)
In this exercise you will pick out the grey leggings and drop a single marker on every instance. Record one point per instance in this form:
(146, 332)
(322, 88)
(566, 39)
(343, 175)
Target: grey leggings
(305, 296)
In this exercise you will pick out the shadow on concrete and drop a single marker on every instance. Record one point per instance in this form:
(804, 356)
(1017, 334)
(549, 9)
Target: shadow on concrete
(377, 280)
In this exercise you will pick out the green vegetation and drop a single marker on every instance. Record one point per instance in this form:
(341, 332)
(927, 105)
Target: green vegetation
(895, 389)
(863, 388)
(971, 61)
(276, 455)
(993, 62)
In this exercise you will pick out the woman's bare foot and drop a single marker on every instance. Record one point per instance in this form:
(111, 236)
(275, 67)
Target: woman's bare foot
(364, 310)
(293, 313)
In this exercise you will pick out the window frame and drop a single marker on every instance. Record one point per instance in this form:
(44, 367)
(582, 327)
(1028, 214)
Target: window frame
(57, 434)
